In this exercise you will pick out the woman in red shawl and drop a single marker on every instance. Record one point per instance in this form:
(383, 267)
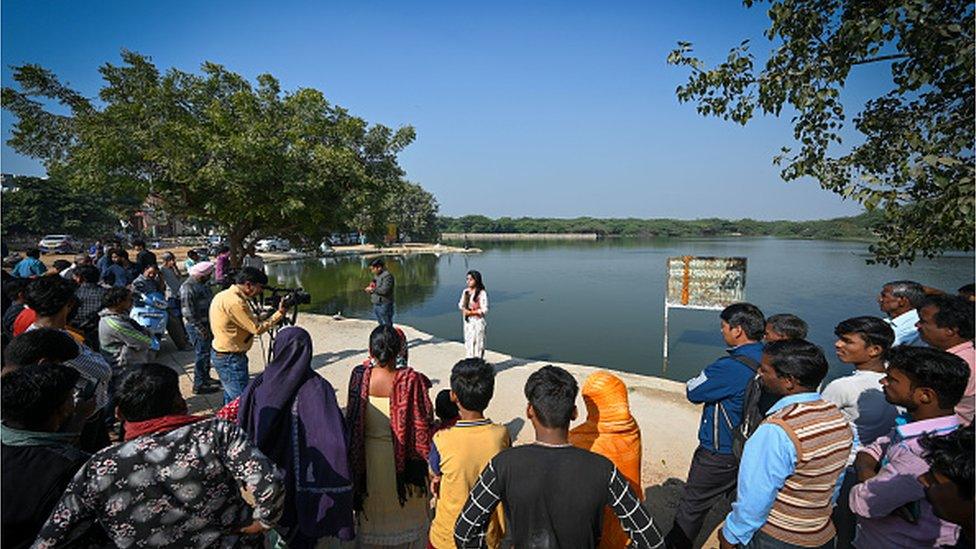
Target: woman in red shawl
(390, 416)
(610, 430)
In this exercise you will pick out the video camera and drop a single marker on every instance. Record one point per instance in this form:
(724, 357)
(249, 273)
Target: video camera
(272, 300)
(291, 296)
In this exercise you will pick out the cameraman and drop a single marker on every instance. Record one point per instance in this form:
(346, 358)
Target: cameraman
(234, 326)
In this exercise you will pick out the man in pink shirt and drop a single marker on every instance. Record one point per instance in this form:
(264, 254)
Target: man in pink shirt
(889, 500)
(946, 322)
(222, 264)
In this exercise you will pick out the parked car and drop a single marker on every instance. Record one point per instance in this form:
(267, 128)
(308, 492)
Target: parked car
(272, 244)
(59, 243)
(345, 239)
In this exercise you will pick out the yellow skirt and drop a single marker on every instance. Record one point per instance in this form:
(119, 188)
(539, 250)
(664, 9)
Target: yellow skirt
(383, 521)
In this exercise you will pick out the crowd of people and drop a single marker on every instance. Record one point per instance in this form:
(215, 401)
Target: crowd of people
(881, 457)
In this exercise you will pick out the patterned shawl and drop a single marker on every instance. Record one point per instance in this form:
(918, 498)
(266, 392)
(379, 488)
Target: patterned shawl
(411, 417)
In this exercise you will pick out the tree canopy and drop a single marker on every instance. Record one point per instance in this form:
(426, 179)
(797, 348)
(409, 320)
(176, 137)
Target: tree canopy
(913, 159)
(253, 159)
(45, 206)
(414, 211)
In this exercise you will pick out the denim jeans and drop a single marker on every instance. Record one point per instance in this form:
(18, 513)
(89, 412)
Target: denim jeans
(201, 346)
(232, 369)
(384, 313)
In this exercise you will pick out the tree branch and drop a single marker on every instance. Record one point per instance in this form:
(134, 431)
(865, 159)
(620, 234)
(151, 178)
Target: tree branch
(880, 58)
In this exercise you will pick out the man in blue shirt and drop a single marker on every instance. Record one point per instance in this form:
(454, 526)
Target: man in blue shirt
(900, 300)
(799, 421)
(120, 272)
(30, 266)
(720, 387)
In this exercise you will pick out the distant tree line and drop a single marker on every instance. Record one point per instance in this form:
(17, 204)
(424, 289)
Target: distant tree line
(48, 206)
(857, 227)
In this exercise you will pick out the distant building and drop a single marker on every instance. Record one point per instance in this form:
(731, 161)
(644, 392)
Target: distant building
(153, 220)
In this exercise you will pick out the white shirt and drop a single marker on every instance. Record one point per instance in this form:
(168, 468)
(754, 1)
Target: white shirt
(905, 331)
(860, 398)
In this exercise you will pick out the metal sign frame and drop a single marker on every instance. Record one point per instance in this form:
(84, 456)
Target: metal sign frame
(686, 289)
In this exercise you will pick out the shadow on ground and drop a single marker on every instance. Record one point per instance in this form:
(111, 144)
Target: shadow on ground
(661, 501)
(324, 359)
(510, 363)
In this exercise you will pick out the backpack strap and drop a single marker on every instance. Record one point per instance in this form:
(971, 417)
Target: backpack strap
(752, 364)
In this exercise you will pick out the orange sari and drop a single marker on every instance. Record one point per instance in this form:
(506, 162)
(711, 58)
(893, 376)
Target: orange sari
(611, 431)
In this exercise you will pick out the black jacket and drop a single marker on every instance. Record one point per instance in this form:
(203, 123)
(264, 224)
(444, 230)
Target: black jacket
(34, 478)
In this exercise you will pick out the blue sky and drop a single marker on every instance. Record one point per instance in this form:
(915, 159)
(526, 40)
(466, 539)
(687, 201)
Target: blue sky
(553, 109)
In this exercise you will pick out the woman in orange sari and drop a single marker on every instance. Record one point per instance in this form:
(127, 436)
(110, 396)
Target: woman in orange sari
(611, 431)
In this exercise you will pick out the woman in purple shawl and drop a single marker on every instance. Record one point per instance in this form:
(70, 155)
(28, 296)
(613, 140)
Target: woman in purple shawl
(291, 414)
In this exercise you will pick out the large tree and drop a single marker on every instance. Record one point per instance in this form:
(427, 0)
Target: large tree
(253, 159)
(414, 211)
(913, 157)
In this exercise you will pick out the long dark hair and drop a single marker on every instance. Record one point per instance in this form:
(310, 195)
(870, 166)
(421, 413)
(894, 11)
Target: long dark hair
(384, 344)
(479, 286)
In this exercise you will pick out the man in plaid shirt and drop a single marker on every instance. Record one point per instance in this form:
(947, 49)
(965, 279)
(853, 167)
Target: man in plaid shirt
(90, 296)
(553, 493)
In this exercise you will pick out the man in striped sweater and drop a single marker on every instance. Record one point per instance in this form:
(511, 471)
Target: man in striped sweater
(792, 466)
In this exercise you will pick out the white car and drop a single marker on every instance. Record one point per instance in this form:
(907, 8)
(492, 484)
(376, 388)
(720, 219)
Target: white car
(58, 243)
(273, 244)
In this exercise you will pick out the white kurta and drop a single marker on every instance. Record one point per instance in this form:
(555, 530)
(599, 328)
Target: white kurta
(475, 326)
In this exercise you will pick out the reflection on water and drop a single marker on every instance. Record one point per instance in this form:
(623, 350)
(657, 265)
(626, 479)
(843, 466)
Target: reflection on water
(601, 303)
(336, 285)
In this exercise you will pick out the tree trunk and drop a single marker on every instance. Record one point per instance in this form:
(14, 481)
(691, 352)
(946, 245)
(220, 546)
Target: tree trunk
(235, 241)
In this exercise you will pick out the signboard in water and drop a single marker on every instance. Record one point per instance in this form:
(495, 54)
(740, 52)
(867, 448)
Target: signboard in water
(705, 282)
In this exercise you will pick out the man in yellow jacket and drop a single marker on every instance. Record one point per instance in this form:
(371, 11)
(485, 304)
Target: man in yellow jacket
(234, 325)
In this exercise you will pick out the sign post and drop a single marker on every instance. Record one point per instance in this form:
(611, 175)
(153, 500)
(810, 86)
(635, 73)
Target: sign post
(704, 283)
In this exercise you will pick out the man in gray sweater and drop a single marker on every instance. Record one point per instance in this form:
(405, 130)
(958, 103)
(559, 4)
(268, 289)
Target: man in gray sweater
(381, 292)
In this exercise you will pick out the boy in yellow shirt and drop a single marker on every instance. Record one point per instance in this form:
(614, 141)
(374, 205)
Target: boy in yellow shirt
(458, 454)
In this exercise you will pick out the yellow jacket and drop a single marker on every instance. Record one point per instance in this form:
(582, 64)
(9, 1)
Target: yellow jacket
(234, 324)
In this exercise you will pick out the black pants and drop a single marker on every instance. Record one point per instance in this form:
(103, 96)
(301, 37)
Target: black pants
(711, 475)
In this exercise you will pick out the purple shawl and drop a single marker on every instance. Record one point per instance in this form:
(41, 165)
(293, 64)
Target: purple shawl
(291, 414)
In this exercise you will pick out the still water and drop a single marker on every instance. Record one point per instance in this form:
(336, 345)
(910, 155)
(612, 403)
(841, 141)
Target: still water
(601, 303)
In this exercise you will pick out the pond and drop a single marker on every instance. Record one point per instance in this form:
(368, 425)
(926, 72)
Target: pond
(601, 303)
